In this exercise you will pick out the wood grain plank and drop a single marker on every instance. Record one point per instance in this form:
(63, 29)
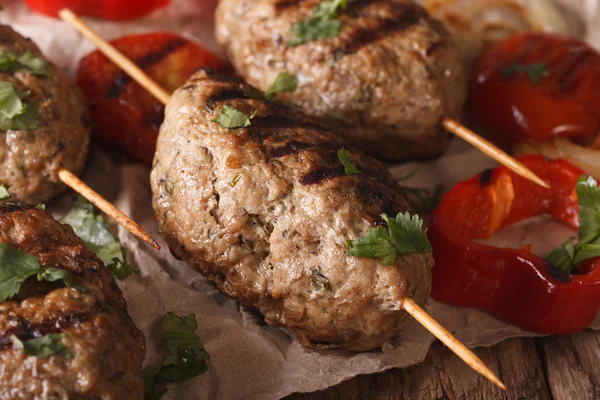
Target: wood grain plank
(570, 363)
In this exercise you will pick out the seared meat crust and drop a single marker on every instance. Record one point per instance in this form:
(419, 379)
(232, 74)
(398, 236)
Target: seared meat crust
(29, 160)
(384, 83)
(107, 349)
(265, 211)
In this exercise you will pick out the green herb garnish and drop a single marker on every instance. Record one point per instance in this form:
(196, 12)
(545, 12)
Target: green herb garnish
(285, 82)
(44, 347)
(403, 236)
(17, 267)
(535, 71)
(349, 167)
(230, 117)
(4, 194)
(186, 359)
(234, 181)
(320, 281)
(14, 113)
(322, 24)
(568, 256)
(26, 62)
(89, 225)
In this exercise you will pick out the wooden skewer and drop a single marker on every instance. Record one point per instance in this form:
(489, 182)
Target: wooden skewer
(408, 304)
(80, 187)
(491, 150)
(163, 96)
(450, 340)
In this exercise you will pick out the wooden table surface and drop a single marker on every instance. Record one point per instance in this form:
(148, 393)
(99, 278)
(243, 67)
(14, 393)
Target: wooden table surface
(555, 367)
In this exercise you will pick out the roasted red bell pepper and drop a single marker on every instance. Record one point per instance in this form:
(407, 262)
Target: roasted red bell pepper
(116, 10)
(122, 111)
(514, 285)
(535, 86)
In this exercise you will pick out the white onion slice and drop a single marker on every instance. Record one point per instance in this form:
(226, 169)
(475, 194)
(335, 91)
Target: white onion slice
(475, 24)
(588, 159)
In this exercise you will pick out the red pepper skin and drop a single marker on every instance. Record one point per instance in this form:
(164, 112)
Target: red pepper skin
(513, 285)
(123, 112)
(565, 102)
(116, 10)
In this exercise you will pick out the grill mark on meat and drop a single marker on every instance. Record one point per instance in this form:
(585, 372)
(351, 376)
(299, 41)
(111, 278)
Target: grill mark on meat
(27, 331)
(223, 95)
(378, 28)
(7, 208)
(385, 201)
(122, 79)
(283, 5)
(319, 175)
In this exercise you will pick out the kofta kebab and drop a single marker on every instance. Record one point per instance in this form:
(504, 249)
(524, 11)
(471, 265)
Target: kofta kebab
(45, 130)
(269, 215)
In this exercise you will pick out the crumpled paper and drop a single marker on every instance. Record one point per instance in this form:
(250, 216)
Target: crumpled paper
(250, 360)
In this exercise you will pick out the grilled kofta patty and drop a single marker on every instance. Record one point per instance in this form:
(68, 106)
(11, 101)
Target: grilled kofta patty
(106, 349)
(384, 83)
(265, 211)
(30, 159)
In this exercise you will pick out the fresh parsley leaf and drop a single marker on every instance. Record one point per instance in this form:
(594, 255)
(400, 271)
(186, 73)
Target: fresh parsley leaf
(14, 113)
(26, 62)
(285, 82)
(4, 194)
(54, 274)
(230, 117)
(45, 346)
(120, 269)
(568, 256)
(427, 200)
(16, 267)
(349, 167)
(89, 225)
(320, 281)
(403, 236)
(186, 359)
(40, 206)
(322, 24)
(535, 71)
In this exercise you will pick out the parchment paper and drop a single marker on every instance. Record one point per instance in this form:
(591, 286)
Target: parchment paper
(250, 360)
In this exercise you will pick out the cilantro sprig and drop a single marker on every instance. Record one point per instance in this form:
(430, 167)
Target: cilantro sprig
(17, 267)
(285, 82)
(349, 167)
(43, 347)
(90, 226)
(25, 62)
(402, 236)
(568, 256)
(231, 118)
(186, 359)
(322, 24)
(4, 194)
(535, 71)
(14, 112)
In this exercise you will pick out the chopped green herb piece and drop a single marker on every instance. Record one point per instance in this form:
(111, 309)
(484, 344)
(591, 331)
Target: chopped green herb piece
(44, 347)
(14, 113)
(235, 180)
(285, 82)
(89, 225)
(568, 256)
(322, 24)
(4, 194)
(40, 206)
(349, 167)
(186, 359)
(535, 71)
(26, 62)
(403, 236)
(320, 281)
(230, 117)
(17, 266)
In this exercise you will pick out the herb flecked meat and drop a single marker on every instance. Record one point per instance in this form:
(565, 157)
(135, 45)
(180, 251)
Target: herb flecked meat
(30, 159)
(264, 212)
(106, 349)
(384, 83)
